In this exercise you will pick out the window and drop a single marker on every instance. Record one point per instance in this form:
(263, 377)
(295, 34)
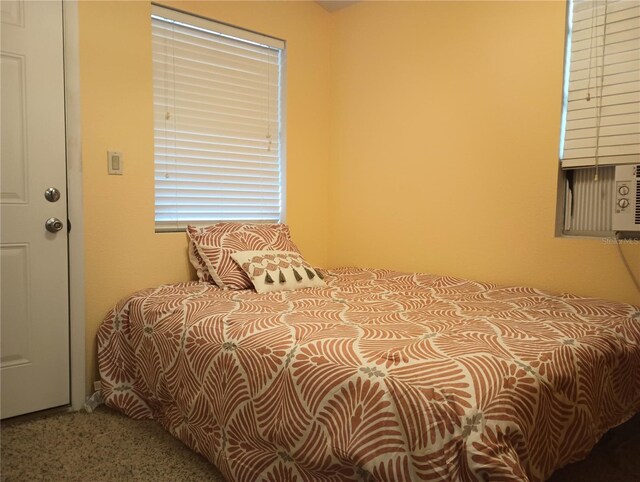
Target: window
(219, 151)
(601, 109)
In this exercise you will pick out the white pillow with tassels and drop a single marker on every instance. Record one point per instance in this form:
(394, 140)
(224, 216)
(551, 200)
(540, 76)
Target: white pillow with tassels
(277, 270)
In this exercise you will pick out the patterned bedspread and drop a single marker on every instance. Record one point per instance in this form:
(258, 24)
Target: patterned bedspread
(379, 376)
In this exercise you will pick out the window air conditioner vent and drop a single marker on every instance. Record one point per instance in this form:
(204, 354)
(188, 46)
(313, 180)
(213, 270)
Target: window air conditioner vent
(626, 201)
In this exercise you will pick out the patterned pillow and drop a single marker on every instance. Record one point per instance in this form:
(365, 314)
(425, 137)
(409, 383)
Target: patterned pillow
(277, 270)
(216, 243)
(198, 263)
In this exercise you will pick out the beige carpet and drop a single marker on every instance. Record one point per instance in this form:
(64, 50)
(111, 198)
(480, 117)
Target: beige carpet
(102, 446)
(106, 446)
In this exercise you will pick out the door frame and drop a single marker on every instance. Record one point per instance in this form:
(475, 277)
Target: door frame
(77, 345)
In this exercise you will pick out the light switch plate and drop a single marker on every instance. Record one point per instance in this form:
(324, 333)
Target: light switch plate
(114, 162)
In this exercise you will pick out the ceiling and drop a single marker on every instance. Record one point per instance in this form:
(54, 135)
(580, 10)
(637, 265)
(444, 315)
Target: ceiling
(333, 5)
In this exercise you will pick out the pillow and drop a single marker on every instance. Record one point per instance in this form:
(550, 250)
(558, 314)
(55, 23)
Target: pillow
(277, 270)
(198, 263)
(216, 243)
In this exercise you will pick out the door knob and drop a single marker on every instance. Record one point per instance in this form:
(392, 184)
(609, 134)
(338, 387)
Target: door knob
(52, 194)
(53, 225)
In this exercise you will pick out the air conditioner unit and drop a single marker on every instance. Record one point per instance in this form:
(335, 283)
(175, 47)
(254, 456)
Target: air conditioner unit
(626, 201)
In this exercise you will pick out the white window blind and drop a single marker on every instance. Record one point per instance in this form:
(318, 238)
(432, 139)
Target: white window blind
(601, 115)
(217, 118)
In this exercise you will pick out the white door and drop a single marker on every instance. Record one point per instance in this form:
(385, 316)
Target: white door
(34, 356)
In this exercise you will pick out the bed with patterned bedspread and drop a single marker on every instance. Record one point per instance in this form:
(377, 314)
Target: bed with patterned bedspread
(378, 376)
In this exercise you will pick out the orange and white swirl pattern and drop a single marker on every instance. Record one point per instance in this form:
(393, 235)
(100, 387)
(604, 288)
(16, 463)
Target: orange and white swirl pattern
(379, 376)
(216, 243)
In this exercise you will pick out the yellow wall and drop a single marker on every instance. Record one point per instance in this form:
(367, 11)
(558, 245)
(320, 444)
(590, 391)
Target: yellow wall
(445, 129)
(422, 136)
(123, 253)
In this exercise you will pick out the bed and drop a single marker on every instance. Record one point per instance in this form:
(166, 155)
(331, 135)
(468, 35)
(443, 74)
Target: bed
(378, 376)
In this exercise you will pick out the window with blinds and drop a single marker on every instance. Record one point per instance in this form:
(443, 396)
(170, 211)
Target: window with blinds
(601, 111)
(601, 114)
(219, 153)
